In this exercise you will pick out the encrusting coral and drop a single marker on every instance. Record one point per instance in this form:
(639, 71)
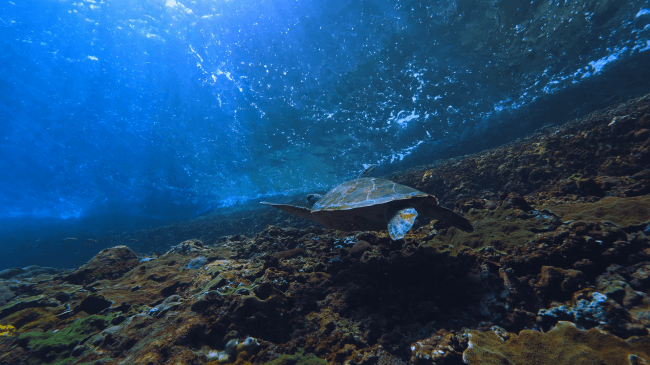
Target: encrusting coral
(563, 345)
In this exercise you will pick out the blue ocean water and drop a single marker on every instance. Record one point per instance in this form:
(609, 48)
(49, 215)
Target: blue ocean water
(126, 114)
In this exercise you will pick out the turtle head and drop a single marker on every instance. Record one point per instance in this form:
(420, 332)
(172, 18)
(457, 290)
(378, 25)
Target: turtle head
(313, 198)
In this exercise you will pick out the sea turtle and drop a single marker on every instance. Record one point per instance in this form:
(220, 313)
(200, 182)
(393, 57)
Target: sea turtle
(368, 204)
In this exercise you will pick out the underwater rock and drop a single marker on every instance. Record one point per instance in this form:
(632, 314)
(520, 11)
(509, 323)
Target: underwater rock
(289, 254)
(629, 287)
(9, 273)
(93, 304)
(35, 270)
(359, 248)
(300, 358)
(553, 281)
(519, 318)
(639, 275)
(236, 352)
(170, 303)
(197, 263)
(59, 344)
(441, 348)
(590, 310)
(25, 288)
(206, 300)
(187, 247)
(612, 284)
(6, 294)
(29, 302)
(110, 263)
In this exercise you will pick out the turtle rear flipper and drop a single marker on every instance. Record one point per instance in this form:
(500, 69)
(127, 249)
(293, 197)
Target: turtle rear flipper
(448, 216)
(401, 222)
(292, 209)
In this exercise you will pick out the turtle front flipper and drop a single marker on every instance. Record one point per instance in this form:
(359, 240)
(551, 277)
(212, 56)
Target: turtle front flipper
(292, 209)
(401, 222)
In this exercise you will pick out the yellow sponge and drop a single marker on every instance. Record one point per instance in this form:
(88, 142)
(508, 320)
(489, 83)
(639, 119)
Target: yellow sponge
(7, 330)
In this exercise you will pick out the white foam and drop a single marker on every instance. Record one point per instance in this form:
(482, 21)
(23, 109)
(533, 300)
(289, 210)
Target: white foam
(600, 64)
(642, 12)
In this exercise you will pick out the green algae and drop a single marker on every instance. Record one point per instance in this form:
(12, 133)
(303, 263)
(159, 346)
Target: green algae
(29, 302)
(504, 228)
(621, 211)
(56, 346)
(220, 283)
(30, 319)
(300, 358)
(565, 344)
(215, 283)
(499, 229)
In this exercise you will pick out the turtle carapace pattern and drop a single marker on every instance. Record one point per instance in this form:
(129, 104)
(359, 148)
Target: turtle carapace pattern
(373, 204)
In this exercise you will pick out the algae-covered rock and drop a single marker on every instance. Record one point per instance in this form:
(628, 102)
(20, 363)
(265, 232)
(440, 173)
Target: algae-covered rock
(359, 248)
(197, 263)
(34, 271)
(590, 309)
(188, 247)
(9, 273)
(441, 346)
(621, 211)
(110, 263)
(93, 304)
(556, 280)
(38, 318)
(29, 302)
(169, 304)
(563, 345)
(208, 299)
(5, 294)
(501, 228)
(61, 342)
(236, 352)
(300, 358)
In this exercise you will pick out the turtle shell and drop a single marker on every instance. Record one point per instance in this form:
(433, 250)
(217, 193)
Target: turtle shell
(365, 192)
(369, 204)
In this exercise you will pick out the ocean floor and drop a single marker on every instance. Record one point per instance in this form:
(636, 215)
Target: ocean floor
(557, 271)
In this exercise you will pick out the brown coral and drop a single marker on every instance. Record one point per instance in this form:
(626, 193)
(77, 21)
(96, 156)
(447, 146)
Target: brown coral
(563, 345)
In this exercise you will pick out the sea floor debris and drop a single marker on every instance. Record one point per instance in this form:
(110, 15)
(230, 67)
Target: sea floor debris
(557, 268)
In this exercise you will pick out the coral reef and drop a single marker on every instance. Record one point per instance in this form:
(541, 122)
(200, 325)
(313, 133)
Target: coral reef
(562, 345)
(300, 358)
(561, 233)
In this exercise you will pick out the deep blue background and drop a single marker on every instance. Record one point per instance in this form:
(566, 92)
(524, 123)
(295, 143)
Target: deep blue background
(119, 115)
